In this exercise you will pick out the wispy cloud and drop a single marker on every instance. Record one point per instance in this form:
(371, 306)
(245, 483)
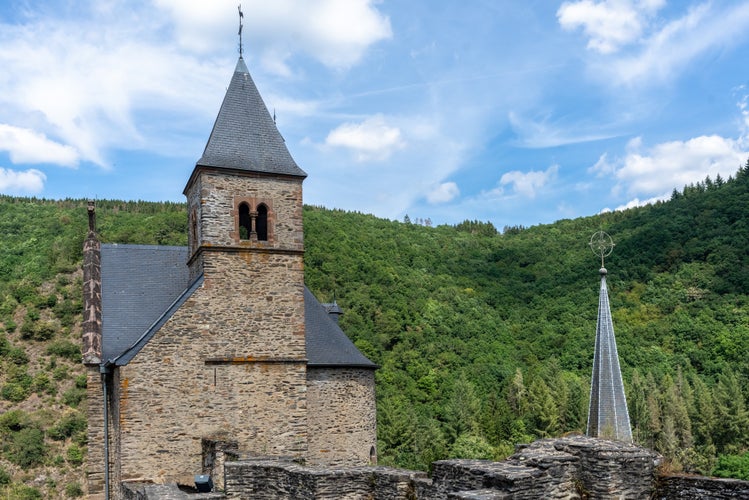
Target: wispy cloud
(545, 134)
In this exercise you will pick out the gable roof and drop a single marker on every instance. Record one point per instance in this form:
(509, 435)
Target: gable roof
(144, 285)
(244, 136)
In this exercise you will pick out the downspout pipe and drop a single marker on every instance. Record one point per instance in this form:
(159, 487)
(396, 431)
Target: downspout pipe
(104, 370)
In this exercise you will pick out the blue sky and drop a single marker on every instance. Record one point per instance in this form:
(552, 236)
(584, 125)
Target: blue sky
(518, 113)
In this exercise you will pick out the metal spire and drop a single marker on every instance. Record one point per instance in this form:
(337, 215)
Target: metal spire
(608, 416)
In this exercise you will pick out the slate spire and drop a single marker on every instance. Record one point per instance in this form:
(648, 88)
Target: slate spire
(607, 414)
(244, 136)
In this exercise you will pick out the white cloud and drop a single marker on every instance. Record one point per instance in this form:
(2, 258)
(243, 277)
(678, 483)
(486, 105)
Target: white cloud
(609, 24)
(529, 183)
(371, 139)
(27, 146)
(16, 182)
(678, 163)
(636, 202)
(447, 191)
(335, 32)
(651, 174)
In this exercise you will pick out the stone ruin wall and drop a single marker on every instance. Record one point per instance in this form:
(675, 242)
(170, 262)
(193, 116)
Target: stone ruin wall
(574, 467)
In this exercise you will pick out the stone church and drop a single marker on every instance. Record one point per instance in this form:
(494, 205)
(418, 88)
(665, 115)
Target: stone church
(220, 340)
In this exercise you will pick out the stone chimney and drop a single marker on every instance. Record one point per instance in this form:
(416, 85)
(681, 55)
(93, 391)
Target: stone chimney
(91, 347)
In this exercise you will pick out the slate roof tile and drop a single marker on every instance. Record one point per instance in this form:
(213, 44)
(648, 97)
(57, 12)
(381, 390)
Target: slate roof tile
(244, 136)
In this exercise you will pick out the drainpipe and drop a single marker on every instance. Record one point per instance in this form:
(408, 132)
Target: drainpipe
(103, 370)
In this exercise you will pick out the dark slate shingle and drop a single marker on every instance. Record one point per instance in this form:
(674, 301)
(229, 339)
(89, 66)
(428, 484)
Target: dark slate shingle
(139, 283)
(245, 136)
(327, 345)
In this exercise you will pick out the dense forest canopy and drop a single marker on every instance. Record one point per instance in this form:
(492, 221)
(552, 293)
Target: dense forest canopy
(484, 338)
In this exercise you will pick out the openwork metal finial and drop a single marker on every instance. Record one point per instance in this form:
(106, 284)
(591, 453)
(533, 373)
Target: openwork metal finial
(241, 16)
(602, 245)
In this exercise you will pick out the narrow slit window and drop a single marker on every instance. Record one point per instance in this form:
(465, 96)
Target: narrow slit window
(245, 223)
(262, 222)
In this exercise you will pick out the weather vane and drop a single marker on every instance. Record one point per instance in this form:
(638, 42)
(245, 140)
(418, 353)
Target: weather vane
(241, 16)
(602, 245)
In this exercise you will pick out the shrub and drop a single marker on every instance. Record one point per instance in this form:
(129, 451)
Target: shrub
(67, 310)
(65, 349)
(45, 330)
(24, 292)
(60, 373)
(67, 426)
(26, 448)
(49, 301)
(73, 396)
(38, 330)
(18, 356)
(8, 305)
(14, 392)
(10, 325)
(4, 477)
(27, 329)
(81, 381)
(42, 384)
(75, 455)
(471, 446)
(4, 344)
(23, 492)
(73, 490)
(14, 421)
(735, 466)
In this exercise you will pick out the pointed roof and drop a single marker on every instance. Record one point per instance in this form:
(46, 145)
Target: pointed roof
(608, 416)
(245, 136)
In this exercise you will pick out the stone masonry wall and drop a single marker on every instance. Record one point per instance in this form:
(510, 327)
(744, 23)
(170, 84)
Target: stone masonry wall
(271, 480)
(230, 360)
(691, 487)
(216, 196)
(573, 467)
(342, 416)
(95, 432)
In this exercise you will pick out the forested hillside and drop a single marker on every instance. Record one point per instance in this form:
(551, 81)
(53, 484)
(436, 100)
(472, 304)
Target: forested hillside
(485, 339)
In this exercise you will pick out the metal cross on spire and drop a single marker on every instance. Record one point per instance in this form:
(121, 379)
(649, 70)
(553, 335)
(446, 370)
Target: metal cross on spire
(241, 16)
(602, 245)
